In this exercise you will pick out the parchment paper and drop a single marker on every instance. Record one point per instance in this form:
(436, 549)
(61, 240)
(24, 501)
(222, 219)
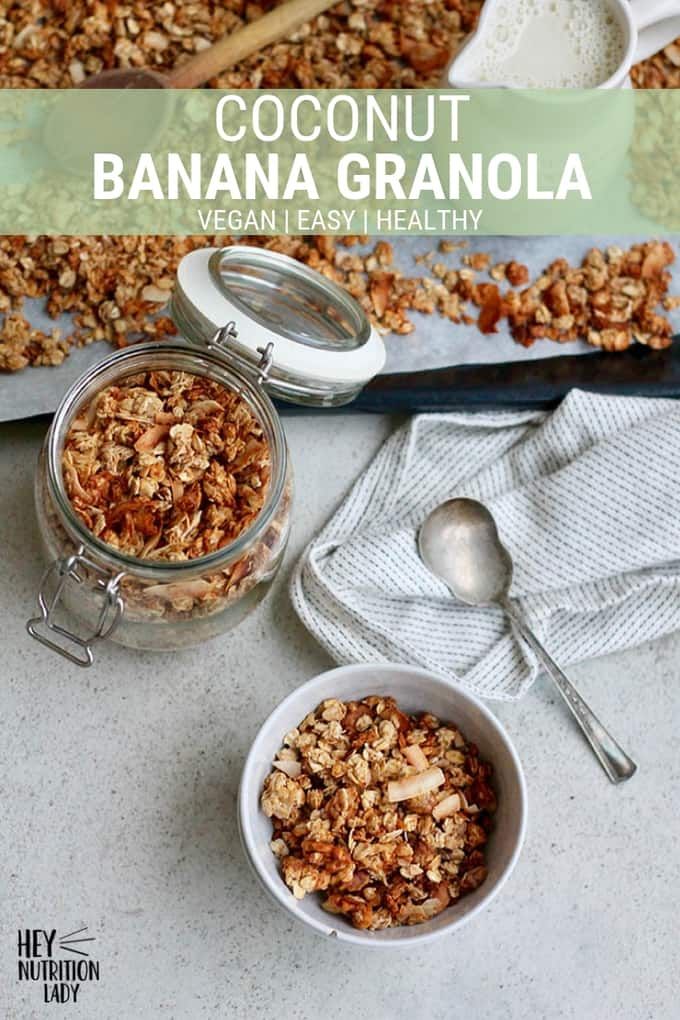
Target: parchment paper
(435, 343)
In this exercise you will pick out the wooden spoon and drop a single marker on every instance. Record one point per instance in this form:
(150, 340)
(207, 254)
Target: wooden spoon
(276, 24)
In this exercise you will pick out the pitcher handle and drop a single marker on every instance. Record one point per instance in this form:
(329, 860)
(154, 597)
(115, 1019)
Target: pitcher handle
(657, 23)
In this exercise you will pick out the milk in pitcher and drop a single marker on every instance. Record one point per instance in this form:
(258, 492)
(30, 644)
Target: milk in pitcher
(548, 44)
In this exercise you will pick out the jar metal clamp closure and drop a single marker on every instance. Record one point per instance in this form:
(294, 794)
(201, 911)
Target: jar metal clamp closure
(44, 628)
(65, 570)
(220, 341)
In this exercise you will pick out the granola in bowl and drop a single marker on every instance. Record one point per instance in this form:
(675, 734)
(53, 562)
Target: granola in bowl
(385, 814)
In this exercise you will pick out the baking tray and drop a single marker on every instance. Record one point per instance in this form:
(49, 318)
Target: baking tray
(441, 365)
(538, 384)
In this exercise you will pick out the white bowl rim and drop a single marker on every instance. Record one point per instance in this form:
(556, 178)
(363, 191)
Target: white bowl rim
(285, 898)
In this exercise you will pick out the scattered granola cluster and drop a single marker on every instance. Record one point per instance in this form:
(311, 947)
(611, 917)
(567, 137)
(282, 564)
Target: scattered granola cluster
(166, 466)
(610, 300)
(113, 286)
(661, 71)
(366, 44)
(122, 282)
(22, 344)
(385, 814)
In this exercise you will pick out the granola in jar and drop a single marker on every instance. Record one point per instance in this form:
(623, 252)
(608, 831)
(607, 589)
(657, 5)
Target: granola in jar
(166, 466)
(169, 466)
(385, 814)
(163, 496)
(165, 483)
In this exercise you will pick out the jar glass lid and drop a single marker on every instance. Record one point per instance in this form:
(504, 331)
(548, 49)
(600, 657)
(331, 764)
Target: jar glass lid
(323, 348)
(305, 307)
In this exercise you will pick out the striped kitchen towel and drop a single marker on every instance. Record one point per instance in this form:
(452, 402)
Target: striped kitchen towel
(586, 498)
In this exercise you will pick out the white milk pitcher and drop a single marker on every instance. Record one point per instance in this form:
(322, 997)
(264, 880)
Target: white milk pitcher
(562, 43)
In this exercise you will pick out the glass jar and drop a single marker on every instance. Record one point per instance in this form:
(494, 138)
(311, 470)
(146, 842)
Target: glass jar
(290, 319)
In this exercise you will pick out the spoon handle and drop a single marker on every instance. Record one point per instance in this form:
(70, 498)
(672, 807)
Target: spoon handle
(269, 28)
(613, 759)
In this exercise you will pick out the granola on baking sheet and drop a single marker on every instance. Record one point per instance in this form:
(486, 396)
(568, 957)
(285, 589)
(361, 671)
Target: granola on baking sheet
(166, 466)
(385, 814)
(370, 44)
(115, 287)
(612, 300)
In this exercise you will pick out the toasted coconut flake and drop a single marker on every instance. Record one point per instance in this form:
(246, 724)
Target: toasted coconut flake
(415, 756)
(291, 768)
(177, 489)
(165, 418)
(447, 807)
(198, 588)
(202, 409)
(150, 439)
(470, 809)
(156, 294)
(415, 786)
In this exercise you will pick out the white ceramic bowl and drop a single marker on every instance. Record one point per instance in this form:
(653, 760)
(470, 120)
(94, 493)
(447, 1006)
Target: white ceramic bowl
(414, 690)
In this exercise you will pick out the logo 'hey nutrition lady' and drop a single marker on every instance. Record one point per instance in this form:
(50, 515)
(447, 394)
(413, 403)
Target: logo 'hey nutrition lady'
(61, 964)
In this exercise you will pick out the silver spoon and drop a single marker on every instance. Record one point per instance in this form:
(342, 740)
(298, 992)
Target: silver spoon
(459, 542)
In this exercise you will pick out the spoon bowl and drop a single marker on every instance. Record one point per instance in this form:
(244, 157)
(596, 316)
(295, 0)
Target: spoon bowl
(127, 78)
(459, 542)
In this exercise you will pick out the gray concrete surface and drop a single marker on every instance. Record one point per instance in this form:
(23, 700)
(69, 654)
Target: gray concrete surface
(117, 788)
